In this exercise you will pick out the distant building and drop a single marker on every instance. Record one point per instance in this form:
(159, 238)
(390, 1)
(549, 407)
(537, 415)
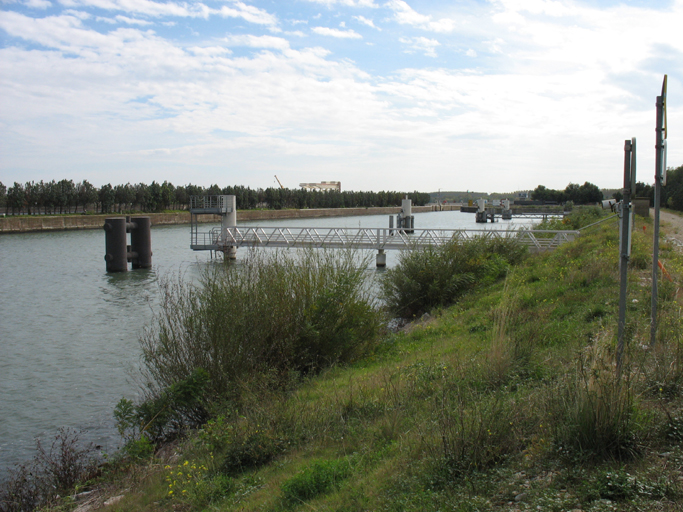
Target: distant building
(323, 185)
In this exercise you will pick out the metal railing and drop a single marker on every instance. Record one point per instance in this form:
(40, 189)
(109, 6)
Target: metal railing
(209, 203)
(366, 238)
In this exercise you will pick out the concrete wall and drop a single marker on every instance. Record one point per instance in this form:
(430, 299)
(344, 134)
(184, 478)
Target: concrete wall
(68, 222)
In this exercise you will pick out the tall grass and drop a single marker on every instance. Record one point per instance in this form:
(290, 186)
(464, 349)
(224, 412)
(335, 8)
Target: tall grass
(593, 408)
(438, 275)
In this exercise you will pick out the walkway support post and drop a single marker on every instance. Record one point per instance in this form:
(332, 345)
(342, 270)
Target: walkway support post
(381, 259)
(229, 220)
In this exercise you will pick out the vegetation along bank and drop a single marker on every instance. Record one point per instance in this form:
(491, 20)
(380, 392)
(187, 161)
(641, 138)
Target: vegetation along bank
(499, 394)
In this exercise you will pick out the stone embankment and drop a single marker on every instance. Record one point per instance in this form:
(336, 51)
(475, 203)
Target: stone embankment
(36, 223)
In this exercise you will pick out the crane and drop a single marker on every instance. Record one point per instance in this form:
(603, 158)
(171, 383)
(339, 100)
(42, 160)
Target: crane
(278, 180)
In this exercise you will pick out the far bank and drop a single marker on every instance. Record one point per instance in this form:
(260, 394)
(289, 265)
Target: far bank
(38, 223)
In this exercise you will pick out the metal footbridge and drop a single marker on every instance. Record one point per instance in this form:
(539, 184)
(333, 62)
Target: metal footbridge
(380, 239)
(229, 236)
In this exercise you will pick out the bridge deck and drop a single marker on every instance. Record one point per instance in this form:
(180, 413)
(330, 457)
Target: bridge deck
(364, 238)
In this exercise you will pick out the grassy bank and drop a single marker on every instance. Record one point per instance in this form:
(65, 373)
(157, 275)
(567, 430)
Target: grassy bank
(507, 399)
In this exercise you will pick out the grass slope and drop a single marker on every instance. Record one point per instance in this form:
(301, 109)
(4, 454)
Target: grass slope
(507, 400)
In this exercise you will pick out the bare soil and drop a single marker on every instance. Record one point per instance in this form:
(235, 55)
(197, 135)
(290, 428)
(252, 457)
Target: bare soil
(672, 226)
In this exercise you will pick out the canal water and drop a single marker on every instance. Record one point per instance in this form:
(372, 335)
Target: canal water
(69, 331)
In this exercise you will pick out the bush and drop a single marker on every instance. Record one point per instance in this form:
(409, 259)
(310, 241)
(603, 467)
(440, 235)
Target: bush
(51, 473)
(579, 218)
(438, 275)
(277, 312)
(318, 478)
(162, 414)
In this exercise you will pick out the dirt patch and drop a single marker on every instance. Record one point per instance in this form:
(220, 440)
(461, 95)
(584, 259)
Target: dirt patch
(672, 226)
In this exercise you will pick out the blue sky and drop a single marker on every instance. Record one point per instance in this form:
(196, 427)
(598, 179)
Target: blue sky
(488, 95)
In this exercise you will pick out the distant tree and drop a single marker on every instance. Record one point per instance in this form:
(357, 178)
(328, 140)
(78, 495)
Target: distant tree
(142, 197)
(107, 198)
(15, 197)
(672, 193)
(214, 190)
(182, 200)
(3, 196)
(589, 194)
(31, 192)
(645, 190)
(167, 195)
(154, 197)
(66, 195)
(124, 196)
(86, 194)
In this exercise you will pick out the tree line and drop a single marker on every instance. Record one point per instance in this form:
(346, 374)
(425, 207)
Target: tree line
(65, 196)
(672, 193)
(578, 194)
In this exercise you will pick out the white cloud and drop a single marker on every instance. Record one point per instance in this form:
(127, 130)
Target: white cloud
(405, 15)
(81, 15)
(334, 32)
(38, 4)
(236, 9)
(249, 13)
(210, 51)
(471, 53)
(276, 43)
(421, 44)
(347, 3)
(132, 21)
(366, 21)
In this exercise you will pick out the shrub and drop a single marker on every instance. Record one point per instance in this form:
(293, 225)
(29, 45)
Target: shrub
(318, 478)
(579, 218)
(162, 414)
(277, 312)
(249, 445)
(438, 275)
(52, 472)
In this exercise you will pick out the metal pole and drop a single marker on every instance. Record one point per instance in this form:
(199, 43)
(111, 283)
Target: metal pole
(659, 145)
(625, 235)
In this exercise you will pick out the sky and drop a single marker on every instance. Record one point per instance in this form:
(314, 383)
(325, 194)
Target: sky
(485, 95)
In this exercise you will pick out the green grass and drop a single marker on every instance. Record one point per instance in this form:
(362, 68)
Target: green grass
(507, 399)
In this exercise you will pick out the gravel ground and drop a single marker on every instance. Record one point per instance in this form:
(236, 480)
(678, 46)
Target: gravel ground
(672, 226)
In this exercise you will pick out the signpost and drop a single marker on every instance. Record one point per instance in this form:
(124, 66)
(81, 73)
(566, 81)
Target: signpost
(660, 179)
(626, 222)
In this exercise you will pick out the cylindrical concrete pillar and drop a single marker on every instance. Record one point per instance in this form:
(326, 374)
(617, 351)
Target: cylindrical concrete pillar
(116, 241)
(229, 221)
(141, 242)
(381, 259)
